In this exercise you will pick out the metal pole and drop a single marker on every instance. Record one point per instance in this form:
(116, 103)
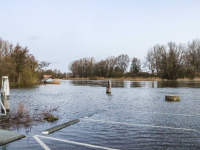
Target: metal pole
(3, 109)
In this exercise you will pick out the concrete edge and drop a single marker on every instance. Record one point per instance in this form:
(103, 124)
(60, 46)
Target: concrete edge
(12, 139)
(51, 130)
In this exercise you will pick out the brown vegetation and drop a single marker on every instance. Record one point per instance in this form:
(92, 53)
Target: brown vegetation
(134, 79)
(120, 79)
(56, 81)
(188, 79)
(22, 117)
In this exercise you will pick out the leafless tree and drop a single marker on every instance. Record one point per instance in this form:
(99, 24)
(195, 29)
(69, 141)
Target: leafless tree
(111, 63)
(135, 65)
(167, 60)
(193, 55)
(122, 62)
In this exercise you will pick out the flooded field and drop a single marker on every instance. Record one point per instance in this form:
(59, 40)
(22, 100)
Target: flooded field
(134, 116)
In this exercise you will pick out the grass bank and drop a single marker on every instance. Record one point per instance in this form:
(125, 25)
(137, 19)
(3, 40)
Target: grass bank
(119, 79)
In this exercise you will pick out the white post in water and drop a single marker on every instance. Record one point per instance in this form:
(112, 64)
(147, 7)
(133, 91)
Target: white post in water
(108, 88)
(5, 92)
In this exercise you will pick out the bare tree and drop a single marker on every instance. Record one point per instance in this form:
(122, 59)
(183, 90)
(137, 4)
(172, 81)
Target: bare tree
(166, 60)
(74, 68)
(150, 61)
(135, 66)
(111, 63)
(193, 55)
(83, 67)
(101, 68)
(122, 62)
(175, 60)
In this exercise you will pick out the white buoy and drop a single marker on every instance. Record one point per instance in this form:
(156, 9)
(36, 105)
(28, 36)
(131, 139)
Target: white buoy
(5, 92)
(108, 88)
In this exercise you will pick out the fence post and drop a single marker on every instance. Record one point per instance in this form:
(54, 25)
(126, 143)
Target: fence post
(5, 92)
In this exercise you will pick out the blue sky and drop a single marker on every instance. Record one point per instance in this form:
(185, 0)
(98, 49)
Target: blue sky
(60, 31)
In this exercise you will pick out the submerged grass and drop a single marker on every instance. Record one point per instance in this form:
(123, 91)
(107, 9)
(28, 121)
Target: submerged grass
(51, 119)
(49, 116)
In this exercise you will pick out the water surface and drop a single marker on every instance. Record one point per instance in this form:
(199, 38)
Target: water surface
(134, 116)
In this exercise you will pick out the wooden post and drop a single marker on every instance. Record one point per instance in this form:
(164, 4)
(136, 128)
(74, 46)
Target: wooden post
(108, 88)
(5, 92)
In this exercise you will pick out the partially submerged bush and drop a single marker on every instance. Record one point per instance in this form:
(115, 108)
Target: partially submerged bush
(20, 116)
(49, 114)
(51, 119)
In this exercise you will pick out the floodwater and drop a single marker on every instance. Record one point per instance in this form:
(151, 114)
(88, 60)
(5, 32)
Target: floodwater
(134, 116)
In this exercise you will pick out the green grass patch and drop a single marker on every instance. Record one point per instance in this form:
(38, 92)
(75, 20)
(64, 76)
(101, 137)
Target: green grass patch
(51, 119)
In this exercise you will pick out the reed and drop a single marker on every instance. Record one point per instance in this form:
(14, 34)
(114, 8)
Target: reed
(56, 81)
(138, 79)
(187, 79)
(21, 109)
(120, 79)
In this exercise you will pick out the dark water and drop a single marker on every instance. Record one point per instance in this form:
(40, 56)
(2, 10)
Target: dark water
(134, 116)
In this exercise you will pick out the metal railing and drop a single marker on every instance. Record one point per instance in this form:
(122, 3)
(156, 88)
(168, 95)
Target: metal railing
(3, 109)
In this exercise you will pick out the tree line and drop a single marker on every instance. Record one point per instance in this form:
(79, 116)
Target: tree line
(22, 68)
(174, 61)
(110, 67)
(170, 61)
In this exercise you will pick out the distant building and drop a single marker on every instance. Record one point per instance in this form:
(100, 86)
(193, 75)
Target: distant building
(47, 79)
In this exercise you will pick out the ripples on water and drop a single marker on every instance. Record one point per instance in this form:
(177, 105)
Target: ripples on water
(134, 116)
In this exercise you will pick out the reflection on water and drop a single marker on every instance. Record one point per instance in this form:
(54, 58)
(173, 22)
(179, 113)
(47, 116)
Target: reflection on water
(98, 83)
(136, 84)
(133, 84)
(176, 84)
(131, 117)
